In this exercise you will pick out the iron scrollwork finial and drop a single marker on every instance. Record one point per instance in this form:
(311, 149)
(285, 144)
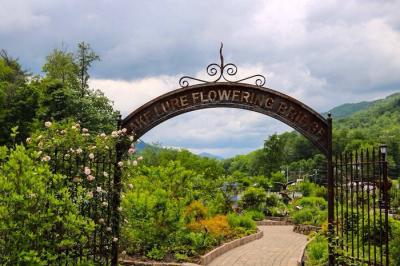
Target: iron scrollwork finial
(222, 71)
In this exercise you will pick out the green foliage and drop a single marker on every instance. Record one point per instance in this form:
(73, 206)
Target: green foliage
(36, 203)
(62, 94)
(253, 198)
(241, 222)
(394, 243)
(310, 189)
(309, 210)
(317, 251)
(156, 253)
(255, 215)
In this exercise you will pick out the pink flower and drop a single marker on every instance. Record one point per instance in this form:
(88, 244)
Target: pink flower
(87, 171)
(131, 150)
(90, 178)
(46, 158)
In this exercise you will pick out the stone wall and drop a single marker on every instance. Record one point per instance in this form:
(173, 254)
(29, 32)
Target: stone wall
(305, 229)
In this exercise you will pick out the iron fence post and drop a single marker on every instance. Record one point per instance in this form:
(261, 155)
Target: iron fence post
(116, 199)
(330, 194)
(386, 198)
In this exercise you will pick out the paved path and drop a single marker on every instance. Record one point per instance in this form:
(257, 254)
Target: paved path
(279, 246)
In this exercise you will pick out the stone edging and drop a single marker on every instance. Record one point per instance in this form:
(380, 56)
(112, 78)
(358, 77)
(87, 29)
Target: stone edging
(148, 263)
(273, 222)
(300, 259)
(207, 258)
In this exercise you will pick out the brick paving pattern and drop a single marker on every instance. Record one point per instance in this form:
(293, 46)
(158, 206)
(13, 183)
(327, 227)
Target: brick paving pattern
(279, 246)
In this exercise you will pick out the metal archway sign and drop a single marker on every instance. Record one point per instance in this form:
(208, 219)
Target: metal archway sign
(234, 95)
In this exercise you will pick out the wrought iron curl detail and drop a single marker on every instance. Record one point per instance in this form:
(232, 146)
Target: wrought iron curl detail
(222, 71)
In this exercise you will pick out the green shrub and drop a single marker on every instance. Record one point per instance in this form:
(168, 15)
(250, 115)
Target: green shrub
(241, 221)
(309, 216)
(34, 205)
(255, 215)
(394, 243)
(181, 257)
(156, 253)
(313, 202)
(317, 251)
(253, 198)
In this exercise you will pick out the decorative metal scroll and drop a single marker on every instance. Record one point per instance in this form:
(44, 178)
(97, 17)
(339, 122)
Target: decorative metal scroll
(222, 72)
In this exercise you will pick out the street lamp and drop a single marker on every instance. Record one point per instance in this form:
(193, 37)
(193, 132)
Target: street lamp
(383, 150)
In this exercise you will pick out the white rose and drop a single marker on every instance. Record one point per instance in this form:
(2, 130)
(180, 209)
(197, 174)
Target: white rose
(47, 124)
(87, 171)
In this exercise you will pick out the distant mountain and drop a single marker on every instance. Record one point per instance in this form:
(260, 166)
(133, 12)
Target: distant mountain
(209, 155)
(141, 145)
(348, 109)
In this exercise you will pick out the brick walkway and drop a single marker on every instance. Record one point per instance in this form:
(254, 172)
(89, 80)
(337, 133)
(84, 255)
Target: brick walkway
(279, 246)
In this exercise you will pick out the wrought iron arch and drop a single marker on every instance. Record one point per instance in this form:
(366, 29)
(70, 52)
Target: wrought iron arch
(232, 95)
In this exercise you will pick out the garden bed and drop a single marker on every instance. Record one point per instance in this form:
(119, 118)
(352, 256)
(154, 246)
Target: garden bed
(203, 260)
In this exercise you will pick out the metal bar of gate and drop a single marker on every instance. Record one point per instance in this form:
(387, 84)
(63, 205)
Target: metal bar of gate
(331, 196)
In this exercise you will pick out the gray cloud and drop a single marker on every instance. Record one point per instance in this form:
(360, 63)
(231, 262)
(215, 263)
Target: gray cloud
(322, 52)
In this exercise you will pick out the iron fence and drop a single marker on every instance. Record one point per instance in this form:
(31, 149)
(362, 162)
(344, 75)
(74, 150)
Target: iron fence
(361, 229)
(99, 206)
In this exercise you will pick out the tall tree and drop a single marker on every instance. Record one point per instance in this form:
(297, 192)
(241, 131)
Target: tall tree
(84, 58)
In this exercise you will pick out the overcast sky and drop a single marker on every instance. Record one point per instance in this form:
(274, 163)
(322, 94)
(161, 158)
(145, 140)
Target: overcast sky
(324, 53)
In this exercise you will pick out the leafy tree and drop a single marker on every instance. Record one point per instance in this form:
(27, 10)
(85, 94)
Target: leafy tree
(19, 100)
